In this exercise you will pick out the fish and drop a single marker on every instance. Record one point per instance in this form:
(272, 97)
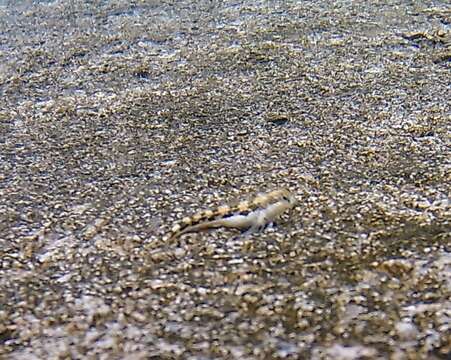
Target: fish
(251, 215)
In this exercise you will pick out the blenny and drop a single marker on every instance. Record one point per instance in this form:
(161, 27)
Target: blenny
(253, 215)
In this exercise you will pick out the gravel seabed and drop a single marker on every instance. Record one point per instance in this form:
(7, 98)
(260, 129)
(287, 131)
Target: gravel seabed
(118, 118)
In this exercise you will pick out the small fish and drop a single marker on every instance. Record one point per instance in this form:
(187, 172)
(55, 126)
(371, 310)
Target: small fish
(251, 216)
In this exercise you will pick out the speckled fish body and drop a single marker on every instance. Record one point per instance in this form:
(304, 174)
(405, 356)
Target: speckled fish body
(251, 215)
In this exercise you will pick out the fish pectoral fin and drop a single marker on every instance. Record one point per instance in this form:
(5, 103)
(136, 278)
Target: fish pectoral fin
(256, 228)
(270, 225)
